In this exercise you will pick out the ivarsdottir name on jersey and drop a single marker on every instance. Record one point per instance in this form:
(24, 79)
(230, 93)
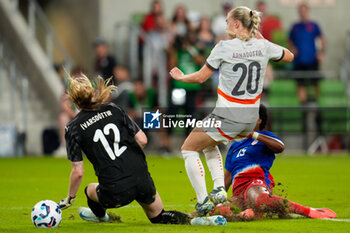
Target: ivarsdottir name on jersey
(95, 118)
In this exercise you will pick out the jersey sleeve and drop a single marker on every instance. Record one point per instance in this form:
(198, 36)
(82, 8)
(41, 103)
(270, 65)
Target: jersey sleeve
(274, 51)
(215, 58)
(271, 135)
(74, 152)
(317, 31)
(132, 126)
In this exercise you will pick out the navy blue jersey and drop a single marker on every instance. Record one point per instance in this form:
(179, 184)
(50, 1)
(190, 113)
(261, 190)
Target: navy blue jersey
(303, 36)
(250, 153)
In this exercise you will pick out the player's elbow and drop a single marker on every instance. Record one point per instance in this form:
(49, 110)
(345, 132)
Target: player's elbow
(141, 138)
(288, 56)
(143, 141)
(201, 79)
(291, 57)
(279, 148)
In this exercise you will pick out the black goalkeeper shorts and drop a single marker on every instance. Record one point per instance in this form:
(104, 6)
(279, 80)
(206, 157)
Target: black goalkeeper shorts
(143, 192)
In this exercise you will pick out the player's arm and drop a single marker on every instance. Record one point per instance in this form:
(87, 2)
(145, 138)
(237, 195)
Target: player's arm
(75, 179)
(228, 179)
(322, 51)
(141, 138)
(274, 144)
(288, 56)
(197, 77)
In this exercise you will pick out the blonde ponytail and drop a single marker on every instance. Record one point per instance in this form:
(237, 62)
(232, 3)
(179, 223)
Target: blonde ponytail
(87, 96)
(250, 19)
(255, 21)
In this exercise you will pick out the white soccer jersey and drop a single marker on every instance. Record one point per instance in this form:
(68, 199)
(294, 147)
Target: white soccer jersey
(242, 67)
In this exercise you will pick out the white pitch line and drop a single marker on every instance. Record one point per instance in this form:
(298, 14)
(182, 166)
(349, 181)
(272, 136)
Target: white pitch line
(336, 219)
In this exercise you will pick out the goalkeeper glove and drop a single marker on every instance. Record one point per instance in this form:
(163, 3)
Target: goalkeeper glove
(66, 202)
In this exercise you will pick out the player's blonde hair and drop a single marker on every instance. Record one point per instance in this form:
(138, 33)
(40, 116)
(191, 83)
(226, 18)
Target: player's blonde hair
(86, 95)
(250, 19)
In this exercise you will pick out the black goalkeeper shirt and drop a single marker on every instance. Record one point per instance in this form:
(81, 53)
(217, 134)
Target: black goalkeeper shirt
(106, 136)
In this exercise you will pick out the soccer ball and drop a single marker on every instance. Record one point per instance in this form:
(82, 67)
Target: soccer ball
(46, 214)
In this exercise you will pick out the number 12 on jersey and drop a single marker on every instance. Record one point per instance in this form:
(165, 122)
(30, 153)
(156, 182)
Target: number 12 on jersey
(100, 136)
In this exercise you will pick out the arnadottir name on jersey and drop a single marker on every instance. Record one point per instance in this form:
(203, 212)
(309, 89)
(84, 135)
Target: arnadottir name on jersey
(256, 53)
(95, 118)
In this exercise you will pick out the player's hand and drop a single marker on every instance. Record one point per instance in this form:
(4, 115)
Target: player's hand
(176, 73)
(250, 134)
(66, 202)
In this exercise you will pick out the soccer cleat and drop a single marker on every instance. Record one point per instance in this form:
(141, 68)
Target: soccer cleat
(204, 208)
(87, 215)
(216, 220)
(218, 195)
(221, 210)
(321, 213)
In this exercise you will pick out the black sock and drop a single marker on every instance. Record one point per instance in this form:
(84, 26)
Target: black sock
(96, 207)
(171, 217)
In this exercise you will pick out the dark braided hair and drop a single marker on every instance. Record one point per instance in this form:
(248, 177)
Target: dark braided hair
(263, 116)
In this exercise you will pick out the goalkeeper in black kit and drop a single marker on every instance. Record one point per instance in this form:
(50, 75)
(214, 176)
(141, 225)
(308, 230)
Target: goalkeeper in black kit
(113, 143)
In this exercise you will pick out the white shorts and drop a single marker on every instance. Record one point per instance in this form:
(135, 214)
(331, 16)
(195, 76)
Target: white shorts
(228, 130)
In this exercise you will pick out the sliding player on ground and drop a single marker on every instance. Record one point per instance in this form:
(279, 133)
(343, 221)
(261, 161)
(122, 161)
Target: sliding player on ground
(247, 167)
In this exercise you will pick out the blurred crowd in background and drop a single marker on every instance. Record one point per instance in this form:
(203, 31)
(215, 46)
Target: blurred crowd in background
(185, 40)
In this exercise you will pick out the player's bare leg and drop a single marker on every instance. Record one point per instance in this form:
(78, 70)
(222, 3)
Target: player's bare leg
(156, 213)
(152, 210)
(198, 140)
(91, 191)
(260, 200)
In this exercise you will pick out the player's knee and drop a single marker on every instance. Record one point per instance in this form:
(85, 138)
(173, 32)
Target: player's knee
(261, 201)
(90, 191)
(186, 154)
(188, 147)
(270, 203)
(211, 150)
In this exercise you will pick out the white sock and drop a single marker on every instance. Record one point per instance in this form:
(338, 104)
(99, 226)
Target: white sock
(215, 165)
(196, 173)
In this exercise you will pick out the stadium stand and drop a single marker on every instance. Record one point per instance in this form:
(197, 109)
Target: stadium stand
(286, 115)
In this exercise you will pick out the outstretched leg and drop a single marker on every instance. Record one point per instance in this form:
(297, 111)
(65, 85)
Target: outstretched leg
(259, 199)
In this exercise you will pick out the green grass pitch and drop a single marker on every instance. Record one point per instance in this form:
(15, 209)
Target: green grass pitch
(314, 181)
